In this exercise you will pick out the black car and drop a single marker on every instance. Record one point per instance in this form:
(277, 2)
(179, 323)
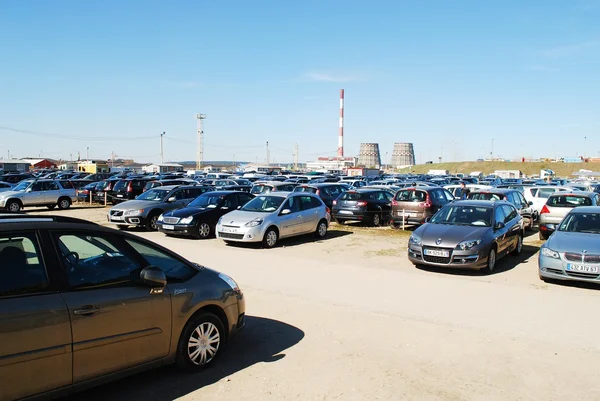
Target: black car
(513, 196)
(326, 191)
(199, 218)
(14, 178)
(240, 185)
(127, 189)
(373, 206)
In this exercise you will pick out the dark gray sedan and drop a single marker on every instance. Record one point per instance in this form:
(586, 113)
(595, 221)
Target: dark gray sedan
(468, 235)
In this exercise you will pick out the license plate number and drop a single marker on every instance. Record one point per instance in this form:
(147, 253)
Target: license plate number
(583, 268)
(168, 227)
(345, 212)
(119, 196)
(228, 230)
(433, 252)
(117, 218)
(407, 214)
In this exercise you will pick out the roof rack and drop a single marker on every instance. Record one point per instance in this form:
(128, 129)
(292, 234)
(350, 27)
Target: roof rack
(22, 217)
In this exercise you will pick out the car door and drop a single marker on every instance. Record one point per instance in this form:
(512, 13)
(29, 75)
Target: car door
(35, 334)
(35, 194)
(229, 203)
(117, 323)
(291, 223)
(513, 228)
(309, 212)
(51, 192)
(500, 233)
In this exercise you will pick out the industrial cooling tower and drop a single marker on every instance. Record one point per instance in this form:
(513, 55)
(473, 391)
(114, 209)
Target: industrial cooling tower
(403, 155)
(369, 155)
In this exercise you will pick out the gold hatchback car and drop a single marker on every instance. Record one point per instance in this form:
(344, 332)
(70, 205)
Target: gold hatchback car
(81, 304)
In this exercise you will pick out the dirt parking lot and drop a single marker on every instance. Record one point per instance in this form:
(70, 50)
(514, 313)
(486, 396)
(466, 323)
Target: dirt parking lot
(349, 318)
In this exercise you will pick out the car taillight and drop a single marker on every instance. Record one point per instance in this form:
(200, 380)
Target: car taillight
(129, 188)
(317, 193)
(394, 203)
(361, 203)
(544, 210)
(427, 202)
(328, 210)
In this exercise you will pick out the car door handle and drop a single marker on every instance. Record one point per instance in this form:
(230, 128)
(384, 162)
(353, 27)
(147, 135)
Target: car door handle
(86, 311)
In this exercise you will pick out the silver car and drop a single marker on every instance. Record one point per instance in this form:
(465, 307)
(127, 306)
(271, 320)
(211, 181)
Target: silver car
(558, 205)
(573, 251)
(49, 193)
(5, 186)
(147, 207)
(268, 218)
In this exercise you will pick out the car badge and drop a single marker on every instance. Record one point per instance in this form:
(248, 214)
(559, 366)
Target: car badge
(438, 241)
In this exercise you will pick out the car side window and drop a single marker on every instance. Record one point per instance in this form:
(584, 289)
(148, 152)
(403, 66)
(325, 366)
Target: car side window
(21, 266)
(448, 195)
(93, 261)
(292, 203)
(37, 186)
(305, 202)
(509, 213)
(230, 201)
(499, 215)
(523, 200)
(315, 202)
(174, 269)
(243, 199)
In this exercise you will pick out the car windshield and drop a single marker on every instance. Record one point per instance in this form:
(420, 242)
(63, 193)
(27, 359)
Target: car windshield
(206, 201)
(265, 204)
(261, 189)
(22, 186)
(306, 189)
(485, 196)
(581, 223)
(154, 195)
(464, 216)
(568, 201)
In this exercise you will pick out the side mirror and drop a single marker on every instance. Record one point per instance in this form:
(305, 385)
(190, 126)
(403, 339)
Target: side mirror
(499, 225)
(530, 203)
(153, 277)
(285, 211)
(172, 199)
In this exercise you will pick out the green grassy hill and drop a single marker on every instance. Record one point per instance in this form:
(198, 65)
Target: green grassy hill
(488, 167)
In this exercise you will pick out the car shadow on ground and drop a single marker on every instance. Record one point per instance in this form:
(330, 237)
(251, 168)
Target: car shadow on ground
(261, 341)
(505, 264)
(574, 284)
(295, 241)
(74, 206)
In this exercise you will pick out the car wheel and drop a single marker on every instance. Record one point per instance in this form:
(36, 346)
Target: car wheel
(542, 236)
(376, 220)
(13, 206)
(64, 203)
(270, 239)
(50, 207)
(151, 222)
(519, 248)
(321, 231)
(340, 221)
(491, 262)
(204, 230)
(200, 341)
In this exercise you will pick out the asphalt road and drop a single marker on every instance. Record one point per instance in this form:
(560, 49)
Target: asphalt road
(349, 318)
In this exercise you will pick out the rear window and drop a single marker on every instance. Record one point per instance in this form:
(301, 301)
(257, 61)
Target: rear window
(411, 196)
(351, 196)
(485, 196)
(306, 189)
(119, 185)
(568, 201)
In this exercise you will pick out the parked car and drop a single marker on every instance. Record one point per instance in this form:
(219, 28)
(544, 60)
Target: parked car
(328, 192)
(559, 204)
(373, 206)
(455, 190)
(415, 205)
(573, 251)
(468, 234)
(175, 181)
(85, 304)
(6, 186)
(49, 193)
(127, 189)
(513, 196)
(145, 210)
(97, 176)
(84, 193)
(199, 218)
(270, 217)
(263, 187)
(355, 184)
(15, 178)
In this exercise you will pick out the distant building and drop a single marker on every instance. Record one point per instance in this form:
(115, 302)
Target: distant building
(93, 166)
(163, 168)
(261, 169)
(14, 165)
(331, 164)
(369, 155)
(403, 155)
(68, 166)
(509, 173)
(40, 163)
(572, 160)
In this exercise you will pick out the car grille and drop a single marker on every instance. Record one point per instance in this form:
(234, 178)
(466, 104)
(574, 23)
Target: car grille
(578, 257)
(230, 236)
(573, 257)
(592, 258)
(171, 220)
(116, 213)
(592, 276)
(230, 226)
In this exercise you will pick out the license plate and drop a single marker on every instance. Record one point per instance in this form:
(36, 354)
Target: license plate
(407, 214)
(117, 218)
(168, 227)
(119, 196)
(345, 212)
(583, 268)
(228, 230)
(433, 252)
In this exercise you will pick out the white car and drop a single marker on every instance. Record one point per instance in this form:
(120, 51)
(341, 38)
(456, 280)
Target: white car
(455, 189)
(539, 194)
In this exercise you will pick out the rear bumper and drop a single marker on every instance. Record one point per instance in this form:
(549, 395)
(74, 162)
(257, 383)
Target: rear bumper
(346, 214)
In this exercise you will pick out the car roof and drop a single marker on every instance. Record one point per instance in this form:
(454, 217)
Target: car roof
(493, 190)
(319, 184)
(478, 203)
(224, 192)
(574, 193)
(585, 209)
(10, 221)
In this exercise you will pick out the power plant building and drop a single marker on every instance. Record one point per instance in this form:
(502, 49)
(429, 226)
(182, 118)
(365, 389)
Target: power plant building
(403, 155)
(369, 155)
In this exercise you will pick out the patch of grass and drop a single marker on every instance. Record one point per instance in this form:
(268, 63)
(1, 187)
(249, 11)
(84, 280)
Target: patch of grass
(385, 231)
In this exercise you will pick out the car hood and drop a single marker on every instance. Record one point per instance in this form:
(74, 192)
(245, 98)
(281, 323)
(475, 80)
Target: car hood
(561, 241)
(240, 217)
(135, 204)
(189, 211)
(6, 194)
(451, 235)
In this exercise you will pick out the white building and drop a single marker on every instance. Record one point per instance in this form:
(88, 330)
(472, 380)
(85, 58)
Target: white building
(162, 168)
(68, 166)
(331, 164)
(508, 173)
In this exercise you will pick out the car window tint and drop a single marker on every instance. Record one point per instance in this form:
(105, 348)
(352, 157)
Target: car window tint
(545, 192)
(315, 202)
(292, 203)
(305, 202)
(21, 265)
(174, 269)
(509, 213)
(499, 215)
(411, 196)
(230, 201)
(243, 199)
(568, 201)
(37, 186)
(95, 261)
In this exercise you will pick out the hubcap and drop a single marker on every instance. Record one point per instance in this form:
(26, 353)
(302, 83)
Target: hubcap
(376, 220)
(14, 207)
(204, 343)
(153, 221)
(322, 229)
(204, 230)
(492, 260)
(271, 238)
(64, 204)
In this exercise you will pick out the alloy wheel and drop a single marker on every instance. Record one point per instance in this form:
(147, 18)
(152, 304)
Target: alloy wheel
(376, 220)
(519, 244)
(322, 229)
(204, 230)
(14, 207)
(271, 238)
(492, 260)
(153, 221)
(64, 204)
(203, 343)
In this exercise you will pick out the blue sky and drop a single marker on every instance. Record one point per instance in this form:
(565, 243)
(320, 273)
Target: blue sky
(447, 76)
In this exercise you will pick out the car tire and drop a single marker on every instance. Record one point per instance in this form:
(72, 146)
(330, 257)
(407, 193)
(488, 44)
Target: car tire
(491, 262)
(151, 222)
(271, 237)
(519, 248)
(200, 332)
(64, 203)
(321, 231)
(14, 206)
(376, 220)
(204, 230)
(542, 236)
(50, 207)
(340, 221)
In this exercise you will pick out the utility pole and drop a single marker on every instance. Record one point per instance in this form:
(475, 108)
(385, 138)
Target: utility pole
(584, 146)
(492, 152)
(200, 145)
(296, 157)
(87, 153)
(162, 149)
(268, 155)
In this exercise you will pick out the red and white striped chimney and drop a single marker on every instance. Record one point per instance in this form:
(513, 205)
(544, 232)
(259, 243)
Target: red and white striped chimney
(340, 151)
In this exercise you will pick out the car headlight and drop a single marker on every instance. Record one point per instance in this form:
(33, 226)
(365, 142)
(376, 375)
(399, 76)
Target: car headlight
(230, 282)
(220, 219)
(415, 240)
(254, 223)
(133, 212)
(550, 253)
(187, 220)
(466, 245)
(161, 217)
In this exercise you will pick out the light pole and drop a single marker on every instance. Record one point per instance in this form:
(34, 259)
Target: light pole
(162, 155)
(584, 145)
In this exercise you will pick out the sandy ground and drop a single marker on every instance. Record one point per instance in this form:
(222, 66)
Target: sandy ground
(349, 318)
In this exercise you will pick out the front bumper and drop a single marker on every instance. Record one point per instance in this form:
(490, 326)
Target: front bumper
(475, 258)
(556, 269)
(134, 220)
(240, 234)
(177, 229)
